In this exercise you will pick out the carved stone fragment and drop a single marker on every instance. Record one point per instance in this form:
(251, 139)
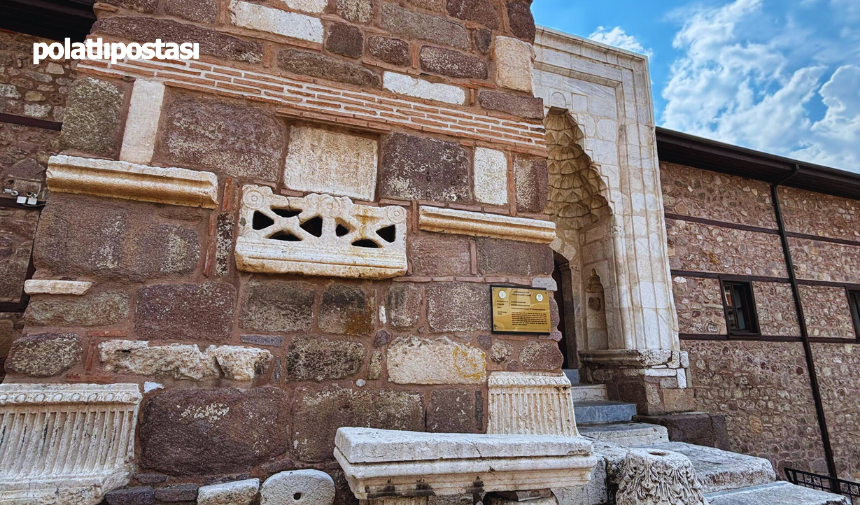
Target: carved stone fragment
(655, 477)
(530, 404)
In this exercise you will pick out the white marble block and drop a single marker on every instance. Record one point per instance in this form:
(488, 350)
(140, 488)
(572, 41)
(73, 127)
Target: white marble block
(298, 487)
(522, 403)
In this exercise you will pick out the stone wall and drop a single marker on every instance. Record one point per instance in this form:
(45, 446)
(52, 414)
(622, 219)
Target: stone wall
(837, 366)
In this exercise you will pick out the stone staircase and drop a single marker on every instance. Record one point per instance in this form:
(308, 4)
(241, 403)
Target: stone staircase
(592, 405)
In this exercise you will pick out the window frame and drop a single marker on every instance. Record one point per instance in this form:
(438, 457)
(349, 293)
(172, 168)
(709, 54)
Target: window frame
(854, 306)
(752, 310)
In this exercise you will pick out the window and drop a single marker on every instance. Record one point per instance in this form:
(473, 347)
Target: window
(740, 308)
(854, 301)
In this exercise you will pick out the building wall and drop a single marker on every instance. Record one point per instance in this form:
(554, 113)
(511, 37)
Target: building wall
(763, 386)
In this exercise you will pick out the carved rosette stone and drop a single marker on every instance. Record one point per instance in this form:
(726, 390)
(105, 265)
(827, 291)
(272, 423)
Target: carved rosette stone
(319, 235)
(530, 404)
(65, 444)
(657, 477)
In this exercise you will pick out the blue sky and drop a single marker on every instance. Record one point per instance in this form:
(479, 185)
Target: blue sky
(781, 76)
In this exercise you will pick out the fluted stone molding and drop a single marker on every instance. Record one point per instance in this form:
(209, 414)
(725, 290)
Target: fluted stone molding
(65, 444)
(355, 240)
(130, 181)
(56, 287)
(523, 403)
(606, 92)
(658, 477)
(479, 224)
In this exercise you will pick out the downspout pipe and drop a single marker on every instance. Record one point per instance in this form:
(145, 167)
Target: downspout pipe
(801, 319)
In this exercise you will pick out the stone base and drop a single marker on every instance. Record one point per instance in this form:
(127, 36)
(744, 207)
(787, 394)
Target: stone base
(699, 428)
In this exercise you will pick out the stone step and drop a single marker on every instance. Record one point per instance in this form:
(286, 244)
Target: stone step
(603, 411)
(626, 434)
(588, 392)
(572, 375)
(722, 470)
(776, 493)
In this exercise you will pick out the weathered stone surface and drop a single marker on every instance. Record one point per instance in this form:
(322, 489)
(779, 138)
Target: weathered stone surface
(318, 359)
(177, 493)
(506, 256)
(437, 254)
(520, 20)
(430, 5)
(491, 176)
(318, 415)
(775, 309)
(697, 428)
(404, 302)
(17, 229)
(212, 43)
(501, 351)
(541, 355)
(323, 161)
(311, 6)
(206, 431)
(237, 139)
(480, 11)
(374, 369)
(532, 184)
(347, 310)
(91, 121)
(311, 487)
(345, 40)
(273, 305)
(453, 411)
(440, 361)
(699, 306)
(201, 11)
(100, 309)
(240, 492)
(382, 338)
(389, 50)
(522, 106)
(514, 64)
(143, 495)
(458, 306)
(452, 63)
(483, 40)
(777, 492)
(406, 85)
(185, 312)
(44, 354)
(56, 287)
(419, 168)
(138, 5)
(277, 21)
(327, 67)
(417, 25)
(655, 477)
(240, 363)
(357, 11)
(826, 313)
(722, 470)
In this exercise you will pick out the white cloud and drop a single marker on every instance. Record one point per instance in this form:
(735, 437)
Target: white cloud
(740, 79)
(617, 37)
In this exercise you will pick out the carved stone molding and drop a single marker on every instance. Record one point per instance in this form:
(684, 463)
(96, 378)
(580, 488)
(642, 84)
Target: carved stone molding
(130, 181)
(319, 235)
(656, 477)
(56, 287)
(65, 444)
(530, 404)
(478, 224)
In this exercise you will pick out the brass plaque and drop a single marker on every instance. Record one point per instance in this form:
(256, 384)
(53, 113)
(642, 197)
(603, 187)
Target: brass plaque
(520, 310)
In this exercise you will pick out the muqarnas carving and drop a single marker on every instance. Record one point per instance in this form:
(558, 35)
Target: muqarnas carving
(319, 235)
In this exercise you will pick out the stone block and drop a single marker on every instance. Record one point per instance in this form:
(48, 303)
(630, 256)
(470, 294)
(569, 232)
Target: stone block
(655, 477)
(240, 492)
(347, 310)
(138, 5)
(541, 355)
(520, 20)
(678, 400)
(451, 63)
(334, 163)
(177, 493)
(532, 184)
(318, 414)
(310, 6)
(420, 168)
(44, 354)
(240, 363)
(481, 224)
(200, 11)
(436, 254)
(240, 140)
(345, 40)
(209, 431)
(185, 312)
(357, 11)
(458, 306)
(697, 428)
(417, 25)
(522, 106)
(212, 42)
(144, 112)
(480, 11)
(500, 352)
(269, 20)
(327, 67)
(389, 50)
(374, 369)
(101, 309)
(453, 411)
(523, 403)
(509, 257)
(420, 88)
(143, 495)
(404, 303)
(92, 119)
(56, 287)
(438, 361)
(278, 306)
(318, 359)
(483, 40)
(310, 487)
(491, 176)
(514, 64)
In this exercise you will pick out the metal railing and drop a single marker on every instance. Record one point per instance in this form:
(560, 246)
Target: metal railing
(823, 483)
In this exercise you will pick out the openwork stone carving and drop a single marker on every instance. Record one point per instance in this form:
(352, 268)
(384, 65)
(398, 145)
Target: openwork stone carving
(530, 404)
(65, 443)
(319, 235)
(657, 477)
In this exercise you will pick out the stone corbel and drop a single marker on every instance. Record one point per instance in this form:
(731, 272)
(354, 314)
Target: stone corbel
(481, 224)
